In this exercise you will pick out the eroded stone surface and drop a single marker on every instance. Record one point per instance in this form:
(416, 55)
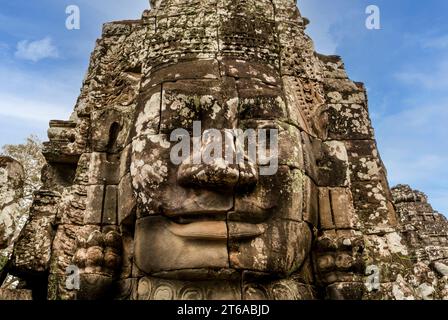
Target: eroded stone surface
(137, 225)
(11, 191)
(11, 294)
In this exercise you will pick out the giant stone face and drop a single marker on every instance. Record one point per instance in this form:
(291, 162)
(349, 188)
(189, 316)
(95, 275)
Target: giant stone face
(221, 216)
(158, 226)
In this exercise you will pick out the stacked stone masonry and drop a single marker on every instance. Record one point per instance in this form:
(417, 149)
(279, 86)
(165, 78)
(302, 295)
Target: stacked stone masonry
(139, 227)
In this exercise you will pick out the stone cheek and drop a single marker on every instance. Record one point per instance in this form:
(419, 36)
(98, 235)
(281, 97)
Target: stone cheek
(155, 182)
(280, 250)
(278, 196)
(150, 164)
(147, 116)
(289, 147)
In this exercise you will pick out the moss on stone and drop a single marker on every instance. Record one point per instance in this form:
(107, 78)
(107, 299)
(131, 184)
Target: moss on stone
(3, 261)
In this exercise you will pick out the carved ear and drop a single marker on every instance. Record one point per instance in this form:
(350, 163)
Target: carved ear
(320, 121)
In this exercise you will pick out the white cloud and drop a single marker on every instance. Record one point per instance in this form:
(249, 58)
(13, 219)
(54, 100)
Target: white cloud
(434, 79)
(326, 18)
(413, 146)
(36, 50)
(319, 29)
(429, 40)
(115, 10)
(440, 42)
(27, 95)
(3, 46)
(438, 198)
(25, 108)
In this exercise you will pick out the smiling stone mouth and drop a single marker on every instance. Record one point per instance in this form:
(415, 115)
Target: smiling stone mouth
(216, 230)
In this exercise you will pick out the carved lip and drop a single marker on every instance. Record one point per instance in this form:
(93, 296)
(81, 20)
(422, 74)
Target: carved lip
(216, 230)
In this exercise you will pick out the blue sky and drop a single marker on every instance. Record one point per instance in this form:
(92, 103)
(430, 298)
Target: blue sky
(404, 66)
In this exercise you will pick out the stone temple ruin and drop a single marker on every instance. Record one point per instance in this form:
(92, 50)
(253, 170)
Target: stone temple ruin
(135, 226)
(11, 191)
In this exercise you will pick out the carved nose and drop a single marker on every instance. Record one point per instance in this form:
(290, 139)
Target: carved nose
(216, 164)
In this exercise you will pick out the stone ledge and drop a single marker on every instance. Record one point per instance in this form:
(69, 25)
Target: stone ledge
(15, 294)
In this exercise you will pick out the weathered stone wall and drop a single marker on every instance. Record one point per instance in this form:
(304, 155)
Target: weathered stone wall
(425, 233)
(150, 76)
(15, 294)
(81, 170)
(11, 191)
